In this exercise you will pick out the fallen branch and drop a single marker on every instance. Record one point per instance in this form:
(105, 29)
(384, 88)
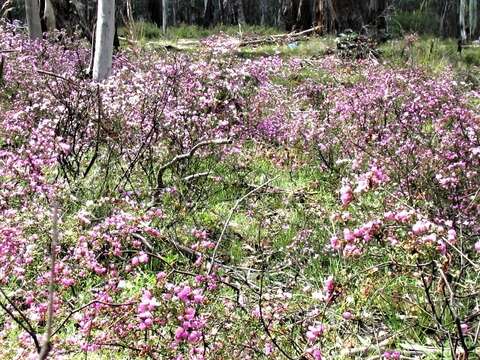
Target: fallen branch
(279, 38)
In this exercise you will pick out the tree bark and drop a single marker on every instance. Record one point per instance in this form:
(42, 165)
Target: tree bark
(240, 12)
(304, 15)
(32, 11)
(208, 13)
(49, 16)
(164, 16)
(102, 63)
(155, 11)
(339, 15)
(461, 20)
(263, 12)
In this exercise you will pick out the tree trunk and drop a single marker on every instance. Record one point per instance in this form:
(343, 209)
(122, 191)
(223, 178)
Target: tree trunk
(174, 12)
(155, 11)
(221, 12)
(304, 15)
(49, 16)
(208, 13)
(240, 12)
(263, 12)
(473, 18)
(164, 16)
(102, 62)
(32, 11)
(461, 21)
(339, 15)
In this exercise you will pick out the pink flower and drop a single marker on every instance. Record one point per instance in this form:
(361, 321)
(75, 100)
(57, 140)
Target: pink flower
(329, 285)
(180, 333)
(477, 246)
(143, 258)
(347, 315)
(316, 353)
(335, 243)
(346, 195)
(452, 236)
(314, 332)
(348, 235)
(420, 227)
(194, 337)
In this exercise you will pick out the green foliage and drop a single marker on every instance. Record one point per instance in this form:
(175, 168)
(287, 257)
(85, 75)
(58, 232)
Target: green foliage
(422, 22)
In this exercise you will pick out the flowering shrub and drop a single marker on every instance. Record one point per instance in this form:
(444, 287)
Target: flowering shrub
(172, 245)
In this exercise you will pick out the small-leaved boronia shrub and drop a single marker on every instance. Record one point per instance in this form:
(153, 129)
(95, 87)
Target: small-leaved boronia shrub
(173, 242)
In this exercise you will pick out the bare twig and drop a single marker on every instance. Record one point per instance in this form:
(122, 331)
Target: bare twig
(46, 347)
(73, 312)
(264, 323)
(25, 324)
(229, 218)
(48, 73)
(185, 156)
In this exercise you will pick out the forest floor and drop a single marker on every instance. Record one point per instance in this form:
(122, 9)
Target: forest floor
(284, 201)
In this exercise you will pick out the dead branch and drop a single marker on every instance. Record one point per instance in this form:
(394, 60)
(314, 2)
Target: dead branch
(186, 156)
(273, 39)
(46, 347)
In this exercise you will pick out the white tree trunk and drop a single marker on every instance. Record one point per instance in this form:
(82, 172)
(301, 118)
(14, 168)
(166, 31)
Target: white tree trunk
(472, 16)
(102, 62)
(32, 10)
(49, 15)
(164, 16)
(463, 30)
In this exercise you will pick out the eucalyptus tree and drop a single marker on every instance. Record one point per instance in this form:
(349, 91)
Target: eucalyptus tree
(32, 12)
(105, 31)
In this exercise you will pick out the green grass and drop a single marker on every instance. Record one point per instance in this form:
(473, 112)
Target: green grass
(149, 31)
(432, 53)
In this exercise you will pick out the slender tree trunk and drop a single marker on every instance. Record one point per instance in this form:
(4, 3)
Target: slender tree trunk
(279, 18)
(174, 12)
(221, 11)
(32, 11)
(240, 12)
(472, 17)
(208, 13)
(263, 12)
(304, 15)
(49, 16)
(461, 20)
(102, 62)
(164, 16)
(155, 11)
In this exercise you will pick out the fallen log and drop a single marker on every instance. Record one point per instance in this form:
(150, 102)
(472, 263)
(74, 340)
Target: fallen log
(275, 39)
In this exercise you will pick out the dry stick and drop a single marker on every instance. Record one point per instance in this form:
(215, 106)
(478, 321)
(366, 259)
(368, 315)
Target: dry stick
(476, 266)
(187, 155)
(264, 323)
(229, 218)
(273, 38)
(56, 76)
(73, 312)
(25, 326)
(451, 305)
(51, 287)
